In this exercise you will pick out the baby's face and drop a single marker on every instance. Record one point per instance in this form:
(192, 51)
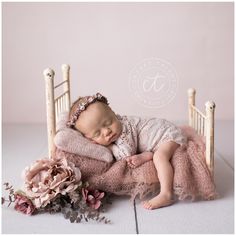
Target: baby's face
(99, 124)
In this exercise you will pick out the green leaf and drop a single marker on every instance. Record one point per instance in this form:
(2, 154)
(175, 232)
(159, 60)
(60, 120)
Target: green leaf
(67, 215)
(107, 221)
(12, 191)
(3, 200)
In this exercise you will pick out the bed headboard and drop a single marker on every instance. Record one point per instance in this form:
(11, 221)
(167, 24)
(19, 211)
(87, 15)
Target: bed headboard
(202, 123)
(56, 104)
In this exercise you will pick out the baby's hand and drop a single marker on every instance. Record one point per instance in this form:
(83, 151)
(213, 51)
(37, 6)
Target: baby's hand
(131, 161)
(134, 161)
(137, 160)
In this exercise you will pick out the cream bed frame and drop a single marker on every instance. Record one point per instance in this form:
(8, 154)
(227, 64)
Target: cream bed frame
(202, 123)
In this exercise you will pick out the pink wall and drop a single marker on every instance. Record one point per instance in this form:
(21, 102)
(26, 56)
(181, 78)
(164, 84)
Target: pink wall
(103, 42)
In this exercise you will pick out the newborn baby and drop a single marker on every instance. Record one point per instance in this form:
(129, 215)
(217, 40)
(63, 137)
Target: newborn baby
(136, 139)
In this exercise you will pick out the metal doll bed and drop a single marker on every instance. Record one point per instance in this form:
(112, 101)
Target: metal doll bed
(202, 123)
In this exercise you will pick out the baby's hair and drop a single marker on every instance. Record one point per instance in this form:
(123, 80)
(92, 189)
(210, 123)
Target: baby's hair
(81, 104)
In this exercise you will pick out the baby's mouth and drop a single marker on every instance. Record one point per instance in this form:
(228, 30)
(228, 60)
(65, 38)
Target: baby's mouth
(111, 138)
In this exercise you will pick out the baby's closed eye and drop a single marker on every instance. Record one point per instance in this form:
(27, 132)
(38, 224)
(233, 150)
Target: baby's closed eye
(96, 134)
(108, 122)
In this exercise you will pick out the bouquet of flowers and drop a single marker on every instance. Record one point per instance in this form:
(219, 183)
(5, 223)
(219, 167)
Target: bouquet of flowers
(54, 185)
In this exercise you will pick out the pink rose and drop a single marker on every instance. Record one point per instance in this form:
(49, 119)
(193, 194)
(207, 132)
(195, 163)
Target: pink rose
(24, 204)
(92, 197)
(47, 178)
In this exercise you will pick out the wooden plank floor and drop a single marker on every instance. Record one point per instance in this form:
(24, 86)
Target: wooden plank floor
(22, 144)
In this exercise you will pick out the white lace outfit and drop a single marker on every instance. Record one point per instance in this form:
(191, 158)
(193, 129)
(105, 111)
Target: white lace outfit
(144, 134)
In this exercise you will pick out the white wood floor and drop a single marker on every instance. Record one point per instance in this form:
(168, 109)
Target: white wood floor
(22, 144)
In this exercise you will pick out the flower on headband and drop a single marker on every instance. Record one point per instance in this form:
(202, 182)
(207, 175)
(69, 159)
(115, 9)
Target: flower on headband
(82, 107)
(90, 99)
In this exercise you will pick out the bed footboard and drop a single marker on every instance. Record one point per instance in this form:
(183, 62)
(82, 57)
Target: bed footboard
(203, 124)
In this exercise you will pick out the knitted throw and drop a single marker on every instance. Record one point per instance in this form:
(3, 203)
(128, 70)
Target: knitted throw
(192, 178)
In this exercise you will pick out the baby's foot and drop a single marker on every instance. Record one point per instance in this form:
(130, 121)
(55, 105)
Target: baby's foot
(160, 200)
(135, 161)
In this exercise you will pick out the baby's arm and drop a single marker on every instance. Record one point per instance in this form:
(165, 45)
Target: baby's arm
(138, 159)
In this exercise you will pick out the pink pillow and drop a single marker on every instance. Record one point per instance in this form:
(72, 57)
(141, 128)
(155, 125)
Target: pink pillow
(73, 141)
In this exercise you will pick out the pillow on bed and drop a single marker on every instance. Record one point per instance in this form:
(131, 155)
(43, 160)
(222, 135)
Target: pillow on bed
(73, 141)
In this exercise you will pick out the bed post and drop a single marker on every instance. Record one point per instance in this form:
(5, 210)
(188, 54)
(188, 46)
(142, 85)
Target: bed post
(191, 101)
(51, 126)
(66, 87)
(210, 109)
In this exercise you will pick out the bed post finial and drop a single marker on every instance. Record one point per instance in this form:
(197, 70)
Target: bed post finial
(66, 87)
(65, 67)
(48, 73)
(51, 126)
(210, 110)
(191, 102)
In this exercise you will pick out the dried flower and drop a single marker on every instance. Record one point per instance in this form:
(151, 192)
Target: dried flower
(54, 185)
(47, 178)
(24, 204)
(93, 197)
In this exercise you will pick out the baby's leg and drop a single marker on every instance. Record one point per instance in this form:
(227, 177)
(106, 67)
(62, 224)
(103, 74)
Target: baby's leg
(161, 161)
(137, 160)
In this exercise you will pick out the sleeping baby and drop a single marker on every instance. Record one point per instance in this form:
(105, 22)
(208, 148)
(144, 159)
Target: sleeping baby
(136, 139)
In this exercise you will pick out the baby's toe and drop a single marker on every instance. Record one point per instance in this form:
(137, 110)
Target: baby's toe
(147, 205)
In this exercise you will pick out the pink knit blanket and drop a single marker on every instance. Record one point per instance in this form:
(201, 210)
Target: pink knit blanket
(192, 178)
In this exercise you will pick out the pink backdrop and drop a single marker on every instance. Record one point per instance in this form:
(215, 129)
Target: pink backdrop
(104, 42)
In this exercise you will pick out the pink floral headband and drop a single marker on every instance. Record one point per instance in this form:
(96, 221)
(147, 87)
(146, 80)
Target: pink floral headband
(98, 97)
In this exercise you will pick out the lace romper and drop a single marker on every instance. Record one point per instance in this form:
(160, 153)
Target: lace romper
(144, 134)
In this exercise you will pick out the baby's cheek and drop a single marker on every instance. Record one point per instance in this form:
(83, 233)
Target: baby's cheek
(115, 127)
(92, 141)
(118, 127)
(99, 141)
